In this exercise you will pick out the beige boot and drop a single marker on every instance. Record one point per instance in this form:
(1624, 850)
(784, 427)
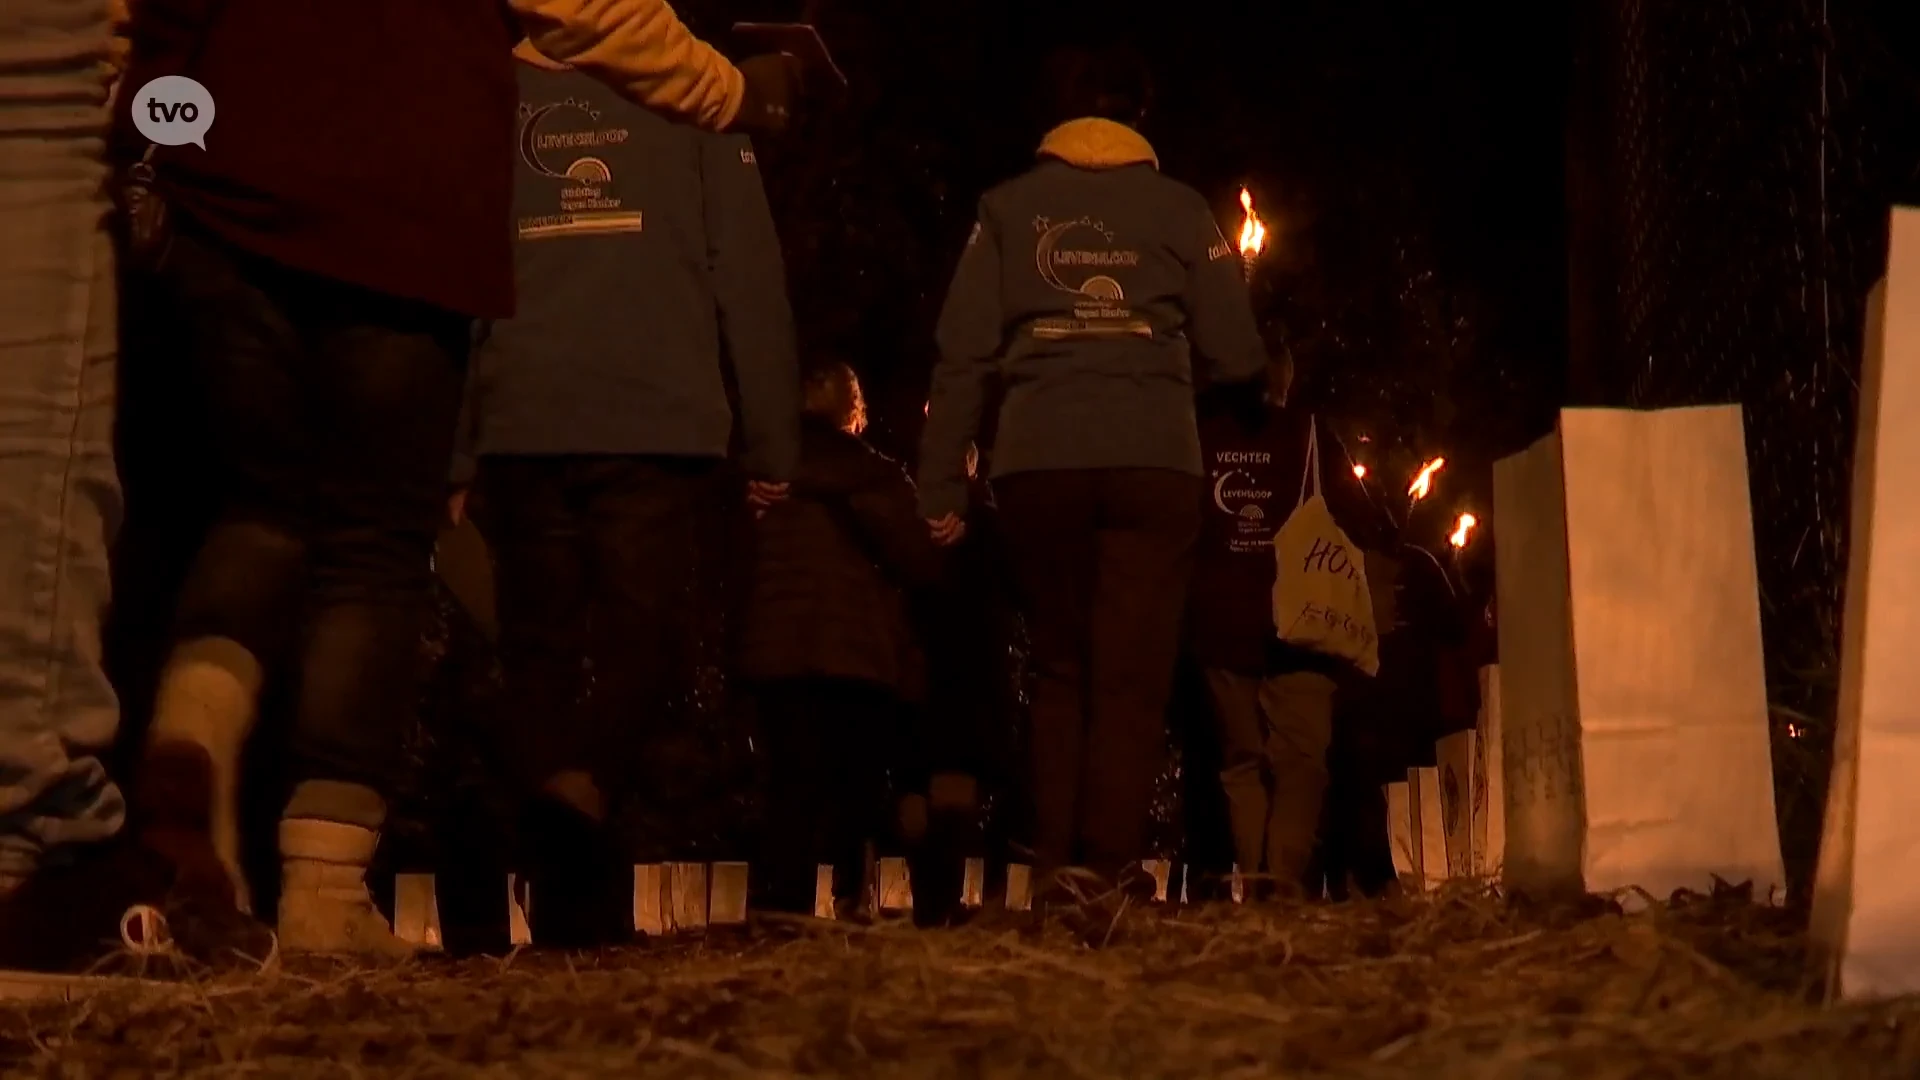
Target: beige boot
(207, 702)
(324, 903)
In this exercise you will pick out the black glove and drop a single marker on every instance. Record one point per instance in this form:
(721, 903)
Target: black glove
(772, 88)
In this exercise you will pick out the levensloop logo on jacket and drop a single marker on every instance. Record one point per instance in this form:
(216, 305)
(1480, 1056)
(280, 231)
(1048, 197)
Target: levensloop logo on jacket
(1087, 272)
(585, 203)
(1239, 494)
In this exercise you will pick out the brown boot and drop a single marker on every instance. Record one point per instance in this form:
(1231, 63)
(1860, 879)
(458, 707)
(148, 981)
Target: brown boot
(324, 903)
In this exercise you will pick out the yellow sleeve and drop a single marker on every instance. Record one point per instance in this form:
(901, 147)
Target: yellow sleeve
(640, 48)
(121, 46)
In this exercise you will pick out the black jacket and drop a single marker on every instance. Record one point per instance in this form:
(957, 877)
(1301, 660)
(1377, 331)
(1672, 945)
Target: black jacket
(1256, 461)
(833, 567)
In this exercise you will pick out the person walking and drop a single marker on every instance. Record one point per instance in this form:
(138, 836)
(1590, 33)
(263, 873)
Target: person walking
(59, 494)
(597, 426)
(828, 648)
(1087, 286)
(1273, 701)
(328, 249)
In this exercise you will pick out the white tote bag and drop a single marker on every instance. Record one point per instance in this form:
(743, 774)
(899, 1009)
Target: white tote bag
(1320, 597)
(1866, 897)
(1633, 702)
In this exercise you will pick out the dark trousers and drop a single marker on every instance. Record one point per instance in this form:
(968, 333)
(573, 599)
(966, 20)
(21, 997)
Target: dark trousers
(1274, 732)
(1354, 851)
(594, 558)
(330, 410)
(828, 742)
(1103, 557)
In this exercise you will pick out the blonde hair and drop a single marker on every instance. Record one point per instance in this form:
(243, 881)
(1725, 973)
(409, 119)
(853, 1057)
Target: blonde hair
(832, 391)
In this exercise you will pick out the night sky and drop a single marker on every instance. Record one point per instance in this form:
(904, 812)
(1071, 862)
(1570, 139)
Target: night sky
(1408, 158)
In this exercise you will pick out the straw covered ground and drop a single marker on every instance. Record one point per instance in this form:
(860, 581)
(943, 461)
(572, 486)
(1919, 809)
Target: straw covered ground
(1457, 986)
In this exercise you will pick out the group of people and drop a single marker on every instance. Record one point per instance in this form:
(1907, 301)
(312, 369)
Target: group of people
(543, 290)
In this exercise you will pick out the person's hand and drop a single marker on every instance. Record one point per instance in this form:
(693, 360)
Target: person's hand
(947, 530)
(772, 86)
(762, 495)
(457, 507)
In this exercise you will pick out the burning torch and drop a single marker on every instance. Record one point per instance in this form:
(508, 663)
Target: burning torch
(1253, 234)
(1422, 485)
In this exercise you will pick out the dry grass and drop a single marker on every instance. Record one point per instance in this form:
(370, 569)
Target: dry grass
(1461, 986)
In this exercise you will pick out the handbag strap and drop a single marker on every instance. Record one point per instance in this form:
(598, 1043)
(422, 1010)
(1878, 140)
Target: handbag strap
(1310, 475)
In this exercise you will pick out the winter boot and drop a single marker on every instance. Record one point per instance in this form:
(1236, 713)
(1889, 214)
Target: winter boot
(187, 793)
(580, 878)
(324, 903)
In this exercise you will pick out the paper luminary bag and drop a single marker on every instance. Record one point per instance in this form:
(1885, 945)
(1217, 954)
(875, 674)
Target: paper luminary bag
(1632, 696)
(1866, 903)
(1489, 792)
(1406, 864)
(1459, 780)
(1429, 832)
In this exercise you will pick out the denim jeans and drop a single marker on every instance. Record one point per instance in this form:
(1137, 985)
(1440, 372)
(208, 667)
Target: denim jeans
(331, 412)
(59, 495)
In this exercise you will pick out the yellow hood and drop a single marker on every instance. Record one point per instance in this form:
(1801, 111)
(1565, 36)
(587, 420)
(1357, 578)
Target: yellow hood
(1093, 143)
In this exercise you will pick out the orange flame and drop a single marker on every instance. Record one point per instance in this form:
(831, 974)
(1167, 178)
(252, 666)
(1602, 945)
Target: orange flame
(1360, 472)
(1423, 483)
(1253, 231)
(1463, 530)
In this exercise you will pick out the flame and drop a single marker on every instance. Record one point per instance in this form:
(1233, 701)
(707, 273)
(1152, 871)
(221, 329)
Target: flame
(1423, 483)
(1463, 530)
(1253, 231)
(1360, 472)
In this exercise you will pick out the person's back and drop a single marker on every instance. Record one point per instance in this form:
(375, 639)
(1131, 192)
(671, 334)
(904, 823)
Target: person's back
(833, 566)
(1100, 277)
(828, 648)
(640, 243)
(1087, 288)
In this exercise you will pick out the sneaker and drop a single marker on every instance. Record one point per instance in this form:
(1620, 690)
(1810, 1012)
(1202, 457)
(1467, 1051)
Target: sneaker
(120, 908)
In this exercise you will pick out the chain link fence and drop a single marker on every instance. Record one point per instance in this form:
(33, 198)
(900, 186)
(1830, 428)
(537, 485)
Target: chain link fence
(1730, 169)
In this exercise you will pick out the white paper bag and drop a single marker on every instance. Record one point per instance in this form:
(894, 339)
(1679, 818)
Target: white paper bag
(1633, 696)
(416, 910)
(1428, 828)
(1866, 905)
(1489, 792)
(1459, 778)
(1400, 834)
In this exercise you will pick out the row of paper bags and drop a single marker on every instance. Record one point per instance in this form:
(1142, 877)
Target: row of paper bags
(1625, 740)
